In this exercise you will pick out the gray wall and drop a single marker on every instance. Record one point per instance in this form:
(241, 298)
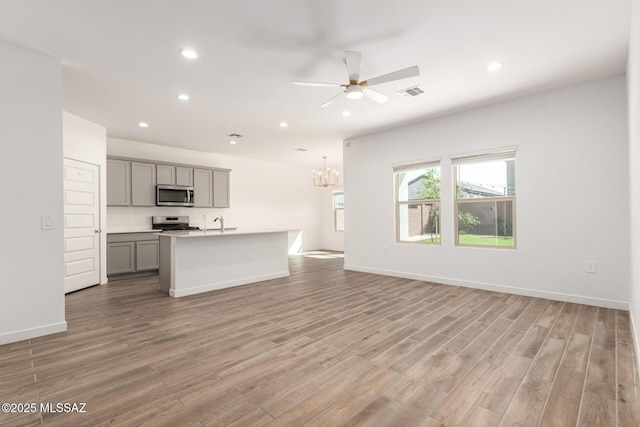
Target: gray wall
(31, 265)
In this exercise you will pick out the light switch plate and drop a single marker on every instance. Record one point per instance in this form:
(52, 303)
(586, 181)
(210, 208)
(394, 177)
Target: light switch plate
(46, 222)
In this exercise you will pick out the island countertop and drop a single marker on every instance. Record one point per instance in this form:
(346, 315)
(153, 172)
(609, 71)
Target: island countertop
(218, 233)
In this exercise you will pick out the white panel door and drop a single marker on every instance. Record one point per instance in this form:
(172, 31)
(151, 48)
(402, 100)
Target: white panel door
(81, 225)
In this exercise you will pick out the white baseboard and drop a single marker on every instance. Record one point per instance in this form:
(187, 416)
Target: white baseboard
(228, 284)
(26, 334)
(599, 302)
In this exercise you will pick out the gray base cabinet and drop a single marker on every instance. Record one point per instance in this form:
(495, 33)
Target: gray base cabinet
(147, 255)
(132, 253)
(121, 258)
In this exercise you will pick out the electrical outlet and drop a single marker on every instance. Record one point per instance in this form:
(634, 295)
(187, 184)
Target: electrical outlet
(384, 250)
(590, 266)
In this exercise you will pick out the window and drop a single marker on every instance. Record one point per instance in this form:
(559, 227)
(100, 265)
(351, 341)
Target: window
(418, 203)
(338, 211)
(485, 200)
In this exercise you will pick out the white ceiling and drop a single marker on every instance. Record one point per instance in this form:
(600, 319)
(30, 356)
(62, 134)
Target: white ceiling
(121, 62)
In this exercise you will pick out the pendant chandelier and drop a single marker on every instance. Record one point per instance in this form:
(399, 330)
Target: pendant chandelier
(325, 177)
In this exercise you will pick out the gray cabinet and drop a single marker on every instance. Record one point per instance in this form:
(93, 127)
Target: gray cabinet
(132, 253)
(147, 255)
(120, 258)
(184, 176)
(174, 175)
(166, 174)
(118, 182)
(143, 184)
(132, 182)
(202, 188)
(221, 189)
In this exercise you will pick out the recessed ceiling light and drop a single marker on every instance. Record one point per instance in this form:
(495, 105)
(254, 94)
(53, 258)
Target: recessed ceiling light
(188, 53)
(232, 142)
(183, 97)
(494, 66)
(283, 125)
(143, 124)
(346, 113)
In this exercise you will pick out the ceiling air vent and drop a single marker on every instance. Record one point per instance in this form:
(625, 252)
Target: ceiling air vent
(411, 91)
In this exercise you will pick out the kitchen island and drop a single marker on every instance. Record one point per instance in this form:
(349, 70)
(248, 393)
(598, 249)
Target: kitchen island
(193, 262)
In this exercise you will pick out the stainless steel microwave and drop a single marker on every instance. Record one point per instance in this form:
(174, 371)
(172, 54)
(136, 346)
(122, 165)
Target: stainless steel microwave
(171, 195)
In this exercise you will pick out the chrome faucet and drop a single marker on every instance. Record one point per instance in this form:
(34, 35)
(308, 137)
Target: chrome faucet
(219, 217)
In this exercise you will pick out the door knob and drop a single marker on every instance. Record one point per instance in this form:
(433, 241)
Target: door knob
(97, 231)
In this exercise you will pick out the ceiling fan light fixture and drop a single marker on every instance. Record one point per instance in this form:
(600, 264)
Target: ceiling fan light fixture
(354, 92)
(188, 53)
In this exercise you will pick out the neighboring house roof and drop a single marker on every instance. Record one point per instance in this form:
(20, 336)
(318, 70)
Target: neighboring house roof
(471, 189)
(479, 190)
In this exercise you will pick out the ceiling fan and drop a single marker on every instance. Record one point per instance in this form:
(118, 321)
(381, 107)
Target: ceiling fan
(355, 89)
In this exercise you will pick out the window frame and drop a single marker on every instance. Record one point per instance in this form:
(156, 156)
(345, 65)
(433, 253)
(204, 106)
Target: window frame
(336, 209)
(426, 164)
(509, 154)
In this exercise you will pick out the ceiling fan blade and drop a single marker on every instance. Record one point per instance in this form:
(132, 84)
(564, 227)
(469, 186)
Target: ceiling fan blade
(396, 75)
(316, 84)
(375, 96)
(352, 59)
(329, 102)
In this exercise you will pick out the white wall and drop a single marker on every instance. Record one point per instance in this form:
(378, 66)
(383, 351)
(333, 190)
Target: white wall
(263, 194)
(572, 196)
(633, 81)
(32, 287)
(87, 142)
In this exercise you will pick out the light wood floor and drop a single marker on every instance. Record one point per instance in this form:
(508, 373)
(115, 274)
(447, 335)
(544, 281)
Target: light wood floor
(326, 347)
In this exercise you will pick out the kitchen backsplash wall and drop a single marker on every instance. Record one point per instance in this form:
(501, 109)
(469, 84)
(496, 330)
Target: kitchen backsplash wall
(139, 218)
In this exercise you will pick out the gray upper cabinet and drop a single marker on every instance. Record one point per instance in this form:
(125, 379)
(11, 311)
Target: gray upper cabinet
(166, 175)
(203, 188)
(184, 176)
(174, 175)
(143, 184)
(221, 189)
(118, 182)
(131, 182)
